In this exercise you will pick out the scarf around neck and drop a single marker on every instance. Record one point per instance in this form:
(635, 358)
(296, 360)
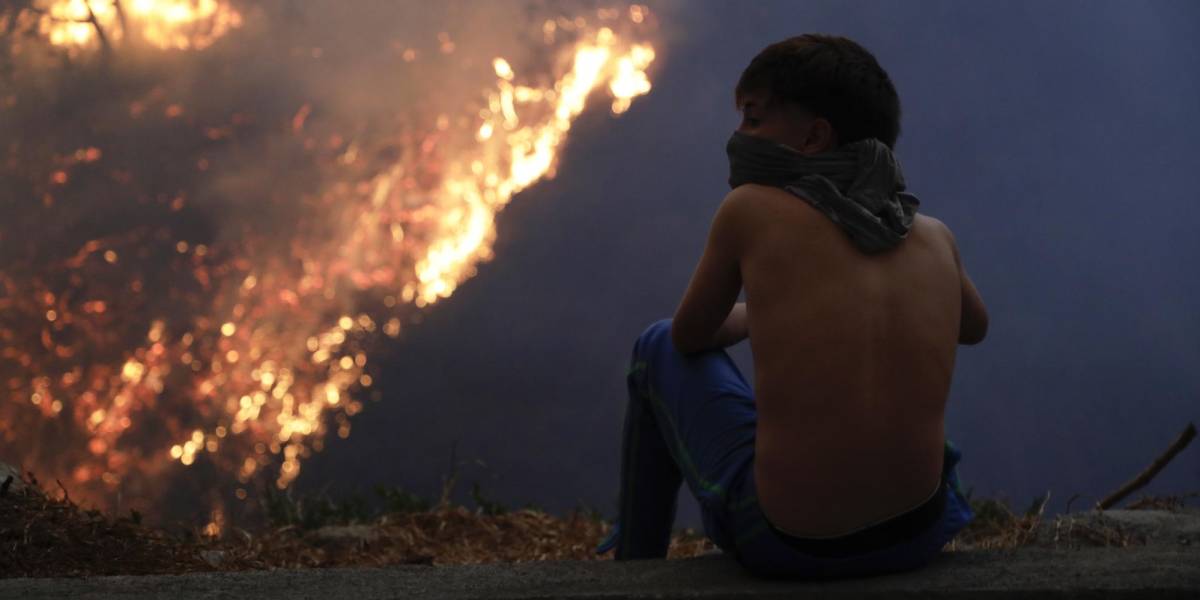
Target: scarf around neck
(859, 186)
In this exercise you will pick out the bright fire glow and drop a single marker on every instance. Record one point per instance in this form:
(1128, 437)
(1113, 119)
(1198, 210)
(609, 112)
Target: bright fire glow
(166, 24)
(277, 354)
(514, 153)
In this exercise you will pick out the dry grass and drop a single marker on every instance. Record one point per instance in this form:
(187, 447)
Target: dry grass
(441, 536)
(1167, 503)
(41, 536)
(1076, 531)
(46, 534)
(997, 527)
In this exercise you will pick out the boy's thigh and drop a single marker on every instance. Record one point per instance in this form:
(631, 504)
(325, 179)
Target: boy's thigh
(704, 407)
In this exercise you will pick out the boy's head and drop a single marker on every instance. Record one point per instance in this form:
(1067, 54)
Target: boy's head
(815, 92)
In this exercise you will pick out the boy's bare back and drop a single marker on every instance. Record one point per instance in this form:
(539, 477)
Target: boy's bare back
(853, 356)
(855, 303)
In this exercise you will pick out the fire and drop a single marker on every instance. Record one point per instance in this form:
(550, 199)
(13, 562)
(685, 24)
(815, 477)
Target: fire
(271, 351)
(165, 24)
(519, 137)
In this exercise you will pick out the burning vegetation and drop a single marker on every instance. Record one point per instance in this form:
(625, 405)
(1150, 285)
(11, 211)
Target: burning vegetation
(211, 209)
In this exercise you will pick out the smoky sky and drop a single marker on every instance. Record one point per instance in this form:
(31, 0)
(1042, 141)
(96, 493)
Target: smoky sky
(1055, 139)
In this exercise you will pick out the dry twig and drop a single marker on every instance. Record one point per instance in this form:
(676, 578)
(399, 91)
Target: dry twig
(100, 35)
(1145, 476)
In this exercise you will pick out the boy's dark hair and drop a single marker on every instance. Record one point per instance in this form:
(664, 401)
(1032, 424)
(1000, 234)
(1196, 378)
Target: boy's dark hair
(835, 78)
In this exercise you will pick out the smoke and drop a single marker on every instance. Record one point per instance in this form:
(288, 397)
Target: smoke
(200, 242)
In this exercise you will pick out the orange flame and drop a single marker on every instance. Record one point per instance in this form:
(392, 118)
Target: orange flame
(518, 143)
(279, 355)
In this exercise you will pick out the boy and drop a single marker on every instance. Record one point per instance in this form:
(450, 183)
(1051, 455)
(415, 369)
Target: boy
(836, 463)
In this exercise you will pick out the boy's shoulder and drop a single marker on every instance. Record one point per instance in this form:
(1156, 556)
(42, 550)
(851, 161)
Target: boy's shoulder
(938, 227)
(932, 222)
(764, 212)
(755, 202)
(752, 194)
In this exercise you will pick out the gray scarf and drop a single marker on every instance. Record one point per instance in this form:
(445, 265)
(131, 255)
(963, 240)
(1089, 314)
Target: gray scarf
(859, 186)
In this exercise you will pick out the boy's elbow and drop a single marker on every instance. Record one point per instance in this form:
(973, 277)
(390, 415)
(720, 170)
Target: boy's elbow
(684, 342)
(974, 331)
(970, 339)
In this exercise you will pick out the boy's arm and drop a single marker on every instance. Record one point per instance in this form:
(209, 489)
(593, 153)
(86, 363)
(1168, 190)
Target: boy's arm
(734, 329)
(707, 316)
(973, 324)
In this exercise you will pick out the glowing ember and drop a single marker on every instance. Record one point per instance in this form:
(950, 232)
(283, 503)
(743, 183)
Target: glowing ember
(246, 348)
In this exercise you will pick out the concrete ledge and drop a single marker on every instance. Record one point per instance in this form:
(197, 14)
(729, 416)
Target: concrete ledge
(1151, 571)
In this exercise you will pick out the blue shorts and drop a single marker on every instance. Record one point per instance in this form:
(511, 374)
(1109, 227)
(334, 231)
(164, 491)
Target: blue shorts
(692, 418)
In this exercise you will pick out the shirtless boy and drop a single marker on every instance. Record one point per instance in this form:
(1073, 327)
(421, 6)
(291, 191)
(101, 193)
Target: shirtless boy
(836, 462)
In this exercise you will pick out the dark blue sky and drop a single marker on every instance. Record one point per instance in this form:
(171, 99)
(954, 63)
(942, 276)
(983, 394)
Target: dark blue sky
(1055, 139)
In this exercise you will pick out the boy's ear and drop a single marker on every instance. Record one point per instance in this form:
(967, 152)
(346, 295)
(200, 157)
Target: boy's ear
(821, 137)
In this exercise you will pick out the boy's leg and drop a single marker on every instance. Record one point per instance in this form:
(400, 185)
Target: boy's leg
(689, 417)
(650, 482)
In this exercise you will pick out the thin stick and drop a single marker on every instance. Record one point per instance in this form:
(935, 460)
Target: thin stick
(66, 495)
(121, 18)
(1145, 476)
(96, 24)
(1073, 498)
(449, 480)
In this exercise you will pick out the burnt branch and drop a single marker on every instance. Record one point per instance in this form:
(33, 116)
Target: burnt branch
(100, 35)
(121, 17)
(1145, 476)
